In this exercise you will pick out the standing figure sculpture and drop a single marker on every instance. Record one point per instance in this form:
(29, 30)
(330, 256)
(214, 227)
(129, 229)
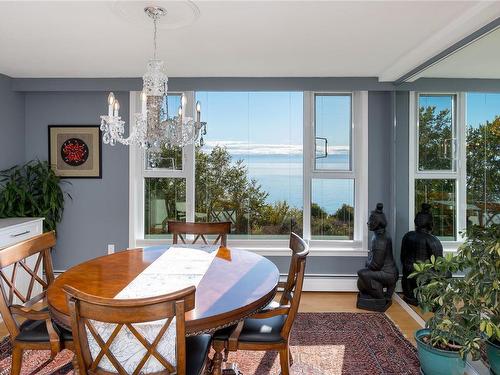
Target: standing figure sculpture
(418, 245)
(376, 282)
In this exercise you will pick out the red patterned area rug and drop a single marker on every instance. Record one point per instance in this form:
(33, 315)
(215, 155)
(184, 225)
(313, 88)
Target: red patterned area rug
(321, 344)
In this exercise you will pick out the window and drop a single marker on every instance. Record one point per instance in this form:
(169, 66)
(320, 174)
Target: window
(454, 160)
(333, 125)
(483, 159)
(250, 170)
(336, 213)
(436, 133)
(271, 163)
(332, 209)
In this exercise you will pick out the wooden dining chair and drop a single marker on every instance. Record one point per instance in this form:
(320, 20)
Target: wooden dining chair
(88, 312)
(180, 228)
(270, 328)
(24, 313)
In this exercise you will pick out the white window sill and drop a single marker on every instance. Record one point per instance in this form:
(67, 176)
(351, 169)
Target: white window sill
(280, 247)
(451, 246)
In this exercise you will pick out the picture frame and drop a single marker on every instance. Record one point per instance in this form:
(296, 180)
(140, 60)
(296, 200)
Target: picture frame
(75, 151)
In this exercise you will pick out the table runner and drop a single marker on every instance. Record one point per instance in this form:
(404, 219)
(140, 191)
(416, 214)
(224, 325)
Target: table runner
(179, 267)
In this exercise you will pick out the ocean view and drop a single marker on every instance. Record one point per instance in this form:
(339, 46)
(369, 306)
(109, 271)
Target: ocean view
(281, 177)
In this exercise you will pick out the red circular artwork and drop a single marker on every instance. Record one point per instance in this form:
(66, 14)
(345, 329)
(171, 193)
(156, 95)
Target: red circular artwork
(74, 152)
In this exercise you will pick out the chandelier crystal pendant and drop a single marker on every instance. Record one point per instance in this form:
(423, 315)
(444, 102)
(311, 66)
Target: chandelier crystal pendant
(153, 127)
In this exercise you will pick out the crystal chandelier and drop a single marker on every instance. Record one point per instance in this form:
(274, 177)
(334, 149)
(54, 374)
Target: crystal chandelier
(153, 127)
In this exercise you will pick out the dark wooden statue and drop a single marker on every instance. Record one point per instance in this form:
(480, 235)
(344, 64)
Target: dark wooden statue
(417, 245)
(376, 282)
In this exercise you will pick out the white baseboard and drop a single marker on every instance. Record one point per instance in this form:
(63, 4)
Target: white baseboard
(409, 310)
(323, 283)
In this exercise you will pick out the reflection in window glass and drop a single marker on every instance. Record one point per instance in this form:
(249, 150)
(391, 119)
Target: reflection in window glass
(483, 159)
(441, 195)
(250, 170)
(332, 209)
(168, 158)
(333, 132)
(164, 199)
(436, 146)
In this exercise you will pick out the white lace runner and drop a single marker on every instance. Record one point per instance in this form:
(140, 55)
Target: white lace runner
(179, 267)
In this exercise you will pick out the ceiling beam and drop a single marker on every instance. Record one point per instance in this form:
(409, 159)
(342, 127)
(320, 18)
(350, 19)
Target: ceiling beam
(469, 23)
(478, 34)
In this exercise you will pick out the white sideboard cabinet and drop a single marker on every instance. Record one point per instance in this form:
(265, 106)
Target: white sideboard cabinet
(13, 230)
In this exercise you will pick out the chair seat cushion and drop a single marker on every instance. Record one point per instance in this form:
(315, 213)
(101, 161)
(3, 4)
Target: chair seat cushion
(197, 348)
(36, 331)
(256, 330)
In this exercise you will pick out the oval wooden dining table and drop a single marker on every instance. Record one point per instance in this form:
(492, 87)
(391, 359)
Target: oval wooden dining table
(237, 284)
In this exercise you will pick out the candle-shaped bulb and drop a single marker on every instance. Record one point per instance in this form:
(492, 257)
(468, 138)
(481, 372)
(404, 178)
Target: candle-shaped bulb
(144, 102)
(116, 108)
(198, 111)
(183, 101)
(111, 101)
(180, 111)
(111, 98)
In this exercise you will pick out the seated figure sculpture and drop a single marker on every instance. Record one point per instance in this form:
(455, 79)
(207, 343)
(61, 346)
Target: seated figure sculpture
(376, 282)
(418, 245)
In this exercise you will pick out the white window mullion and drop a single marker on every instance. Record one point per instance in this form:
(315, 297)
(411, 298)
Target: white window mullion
(413, 155)
(360, 159)
(189, 166)
(136, 182)
(461, 163)
(309, 149)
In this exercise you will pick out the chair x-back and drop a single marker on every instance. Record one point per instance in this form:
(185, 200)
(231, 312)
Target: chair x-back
(270, 328)
(89, 313)
(37, 331)
(179, 229)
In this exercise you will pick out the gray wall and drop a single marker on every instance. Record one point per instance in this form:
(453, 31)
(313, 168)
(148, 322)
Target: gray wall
(11, 124)
(380, 154)
(401, 198)
(98, 213)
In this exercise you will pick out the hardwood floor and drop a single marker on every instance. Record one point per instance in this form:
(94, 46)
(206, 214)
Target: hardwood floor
(341, 302)
(346, 302)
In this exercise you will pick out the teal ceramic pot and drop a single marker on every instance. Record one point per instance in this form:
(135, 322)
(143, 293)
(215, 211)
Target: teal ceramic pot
(436, 361)
(493, 353)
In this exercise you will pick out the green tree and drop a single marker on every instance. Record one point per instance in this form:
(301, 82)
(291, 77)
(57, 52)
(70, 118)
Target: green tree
(225, 192)
(435, 139)
(483, 170)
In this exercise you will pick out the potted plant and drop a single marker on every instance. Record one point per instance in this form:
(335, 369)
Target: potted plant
(32, 190)
(465, 308)
(482, 250)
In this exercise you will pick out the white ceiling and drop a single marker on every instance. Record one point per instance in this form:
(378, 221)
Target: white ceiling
(233, 38)
(480, 59)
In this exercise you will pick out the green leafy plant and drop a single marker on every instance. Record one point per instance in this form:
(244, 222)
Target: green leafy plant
(32, 190)
(466, 309)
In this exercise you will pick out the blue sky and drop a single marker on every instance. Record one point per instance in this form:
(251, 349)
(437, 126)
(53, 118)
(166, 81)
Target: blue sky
(480, 106)
(271, 122)
(266, 122)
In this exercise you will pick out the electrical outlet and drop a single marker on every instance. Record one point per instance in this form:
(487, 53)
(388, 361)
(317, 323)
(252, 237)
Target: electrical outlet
(111, 248)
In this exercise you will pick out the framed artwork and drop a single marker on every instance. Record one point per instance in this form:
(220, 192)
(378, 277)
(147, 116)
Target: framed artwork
(75, 151)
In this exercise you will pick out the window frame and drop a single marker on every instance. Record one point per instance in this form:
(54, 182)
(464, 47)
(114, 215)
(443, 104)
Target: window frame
(269, 247)
(458, 174)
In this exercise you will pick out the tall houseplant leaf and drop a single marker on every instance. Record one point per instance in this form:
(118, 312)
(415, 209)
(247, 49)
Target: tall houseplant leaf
(32, 190)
